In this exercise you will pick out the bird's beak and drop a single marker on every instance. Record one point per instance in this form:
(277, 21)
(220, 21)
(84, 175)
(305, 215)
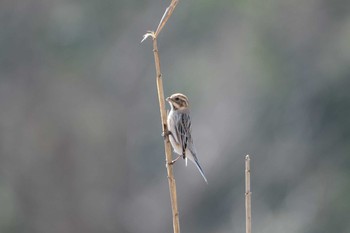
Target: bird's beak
(167, 99)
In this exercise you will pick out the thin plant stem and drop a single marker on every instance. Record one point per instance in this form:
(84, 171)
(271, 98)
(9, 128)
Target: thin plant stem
(168, 155)
(248, 194)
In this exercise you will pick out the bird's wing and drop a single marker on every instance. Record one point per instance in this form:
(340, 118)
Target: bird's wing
(183, 130)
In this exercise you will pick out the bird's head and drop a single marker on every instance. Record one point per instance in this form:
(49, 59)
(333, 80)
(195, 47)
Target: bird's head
(178, 101)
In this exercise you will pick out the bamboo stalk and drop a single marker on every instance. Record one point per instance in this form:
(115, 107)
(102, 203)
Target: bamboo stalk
(170, 174)
(248, 213)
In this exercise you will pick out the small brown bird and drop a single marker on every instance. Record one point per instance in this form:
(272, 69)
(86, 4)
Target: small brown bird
(179, 124)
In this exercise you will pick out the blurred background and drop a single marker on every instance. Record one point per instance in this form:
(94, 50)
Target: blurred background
(81, 147)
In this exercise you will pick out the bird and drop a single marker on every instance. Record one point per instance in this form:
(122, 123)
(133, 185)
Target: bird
(179, 130)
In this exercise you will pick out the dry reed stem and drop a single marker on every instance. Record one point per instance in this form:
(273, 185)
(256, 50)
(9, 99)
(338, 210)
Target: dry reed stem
(171, 180)
(248, 213)
(168, 12)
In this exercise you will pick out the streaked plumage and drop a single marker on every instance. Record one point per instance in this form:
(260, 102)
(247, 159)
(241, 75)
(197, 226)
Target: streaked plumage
(179, 124)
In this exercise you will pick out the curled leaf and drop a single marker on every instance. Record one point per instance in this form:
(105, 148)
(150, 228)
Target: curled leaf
(148, 34)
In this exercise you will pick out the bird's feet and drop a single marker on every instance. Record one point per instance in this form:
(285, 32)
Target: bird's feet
(166, 134)
(173, 161)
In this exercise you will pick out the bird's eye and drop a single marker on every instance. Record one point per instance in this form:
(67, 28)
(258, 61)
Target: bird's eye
(177, 98)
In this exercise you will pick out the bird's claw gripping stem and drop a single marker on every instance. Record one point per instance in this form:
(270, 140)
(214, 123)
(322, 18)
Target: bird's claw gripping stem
(173, 161)
(166, 133)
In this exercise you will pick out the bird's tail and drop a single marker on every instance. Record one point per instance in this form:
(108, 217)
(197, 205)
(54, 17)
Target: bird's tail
(200, 170)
